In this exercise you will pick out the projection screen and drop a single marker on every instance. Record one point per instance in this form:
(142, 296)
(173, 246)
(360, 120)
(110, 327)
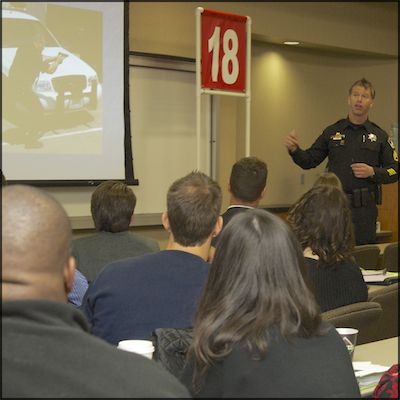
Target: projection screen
(64, 119)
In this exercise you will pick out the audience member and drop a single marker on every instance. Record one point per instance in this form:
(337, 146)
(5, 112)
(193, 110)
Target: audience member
(3, 179)
(328, 178)
(78, 290)
(247, 185)
(131, 298)
(112, 207)
(258, 330)
(47, 351)
(321, 220)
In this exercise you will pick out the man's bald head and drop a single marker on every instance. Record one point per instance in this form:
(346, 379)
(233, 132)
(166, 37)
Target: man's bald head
(36, 235)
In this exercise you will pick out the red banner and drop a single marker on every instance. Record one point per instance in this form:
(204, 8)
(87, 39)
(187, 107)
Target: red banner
(223, 51)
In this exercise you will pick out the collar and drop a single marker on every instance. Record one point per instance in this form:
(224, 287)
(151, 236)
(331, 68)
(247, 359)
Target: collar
(239, 206)
(46, 312)
(366, 125)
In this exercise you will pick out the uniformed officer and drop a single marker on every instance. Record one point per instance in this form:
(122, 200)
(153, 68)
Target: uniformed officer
(360, 153)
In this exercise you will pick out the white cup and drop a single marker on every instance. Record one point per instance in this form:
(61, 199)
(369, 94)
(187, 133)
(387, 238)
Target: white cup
(349, 336)
(142, 347)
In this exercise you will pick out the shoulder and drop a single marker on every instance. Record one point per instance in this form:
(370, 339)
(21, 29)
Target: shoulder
(150, 243)
(338, 125)
(377, 130)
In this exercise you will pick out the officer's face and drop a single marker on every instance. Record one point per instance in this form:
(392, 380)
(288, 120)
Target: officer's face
(360, 101)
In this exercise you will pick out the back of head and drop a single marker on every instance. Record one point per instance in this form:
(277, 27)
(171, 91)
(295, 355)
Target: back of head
(248, 179)
(258, 270)
(321, 220)
(328, 178)
(36, 236)
(193, 205)
(255, 283)
(112, 206)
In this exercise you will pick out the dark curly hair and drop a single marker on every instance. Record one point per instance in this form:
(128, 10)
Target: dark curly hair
(321, 220)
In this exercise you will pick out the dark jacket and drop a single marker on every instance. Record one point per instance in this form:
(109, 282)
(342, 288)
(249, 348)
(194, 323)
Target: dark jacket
(48, 352)
(302, 367)
(344, 144)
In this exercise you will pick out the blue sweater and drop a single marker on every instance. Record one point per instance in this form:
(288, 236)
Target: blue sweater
(132, 297)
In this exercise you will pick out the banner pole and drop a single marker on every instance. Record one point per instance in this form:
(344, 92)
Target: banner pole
(248, 89)
(199, 11)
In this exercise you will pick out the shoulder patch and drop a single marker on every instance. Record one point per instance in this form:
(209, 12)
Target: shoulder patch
(390, 141)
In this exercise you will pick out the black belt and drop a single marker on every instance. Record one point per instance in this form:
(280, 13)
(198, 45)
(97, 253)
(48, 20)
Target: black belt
(360, 197)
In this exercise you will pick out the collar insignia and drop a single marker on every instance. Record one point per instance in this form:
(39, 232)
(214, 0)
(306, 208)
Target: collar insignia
(336, 136)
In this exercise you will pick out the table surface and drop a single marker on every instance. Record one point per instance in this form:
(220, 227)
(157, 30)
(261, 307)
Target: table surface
(383, 352)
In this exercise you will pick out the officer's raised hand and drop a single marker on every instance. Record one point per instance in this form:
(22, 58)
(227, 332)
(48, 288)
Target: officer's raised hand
(292, 141)
(361, 170)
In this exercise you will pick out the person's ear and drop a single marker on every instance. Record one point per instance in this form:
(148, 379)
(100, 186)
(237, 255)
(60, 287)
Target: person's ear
(218, 226)
(69, 272)
(348, 101)
(165, 221)
(263, 192)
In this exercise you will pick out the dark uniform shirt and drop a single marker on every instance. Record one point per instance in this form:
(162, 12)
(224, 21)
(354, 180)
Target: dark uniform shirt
(345, 143)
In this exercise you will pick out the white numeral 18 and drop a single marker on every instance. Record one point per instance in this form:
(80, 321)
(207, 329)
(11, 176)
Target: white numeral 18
(230, 52)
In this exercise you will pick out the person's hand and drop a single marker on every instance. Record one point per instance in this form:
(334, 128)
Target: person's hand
(361, 170)
(292, 141)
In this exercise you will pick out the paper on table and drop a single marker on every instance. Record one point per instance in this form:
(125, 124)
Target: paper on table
(372, 275)
(368, 373)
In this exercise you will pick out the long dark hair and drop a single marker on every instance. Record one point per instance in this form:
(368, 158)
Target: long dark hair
(321, 220)
(255, 283)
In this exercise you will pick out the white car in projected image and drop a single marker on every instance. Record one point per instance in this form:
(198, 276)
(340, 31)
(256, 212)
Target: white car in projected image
(73, 86)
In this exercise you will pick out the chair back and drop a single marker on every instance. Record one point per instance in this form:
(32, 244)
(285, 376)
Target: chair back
(363, 316)
(367, 256)
(388, 298)
(390, 258)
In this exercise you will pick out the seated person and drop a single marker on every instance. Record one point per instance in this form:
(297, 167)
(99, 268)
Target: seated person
(78, 290)
(112, 206)
(47, 350)
(321, 220)
(132, 297)
(247, 185)
(258, 330)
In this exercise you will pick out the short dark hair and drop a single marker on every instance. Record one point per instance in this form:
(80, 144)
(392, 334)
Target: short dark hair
(193, 205)
(112, 206)
(365, 84)
(255, 284)
(321, 220)
(248, 178)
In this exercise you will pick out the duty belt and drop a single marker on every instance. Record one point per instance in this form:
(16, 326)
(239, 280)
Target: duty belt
(361, 197)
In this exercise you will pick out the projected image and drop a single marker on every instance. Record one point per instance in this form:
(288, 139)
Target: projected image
(51, 78)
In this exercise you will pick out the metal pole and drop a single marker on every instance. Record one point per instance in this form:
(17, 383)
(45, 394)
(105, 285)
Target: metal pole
(199, 10)
(248, 91)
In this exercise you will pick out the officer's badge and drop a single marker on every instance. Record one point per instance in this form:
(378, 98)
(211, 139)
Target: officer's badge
(337, 136)
(372, 137)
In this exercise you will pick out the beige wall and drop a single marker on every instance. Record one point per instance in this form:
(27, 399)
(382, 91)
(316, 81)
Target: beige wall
(303, 88)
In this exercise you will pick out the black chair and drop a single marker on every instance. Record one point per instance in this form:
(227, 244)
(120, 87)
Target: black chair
(367, 256)
(390, 258)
